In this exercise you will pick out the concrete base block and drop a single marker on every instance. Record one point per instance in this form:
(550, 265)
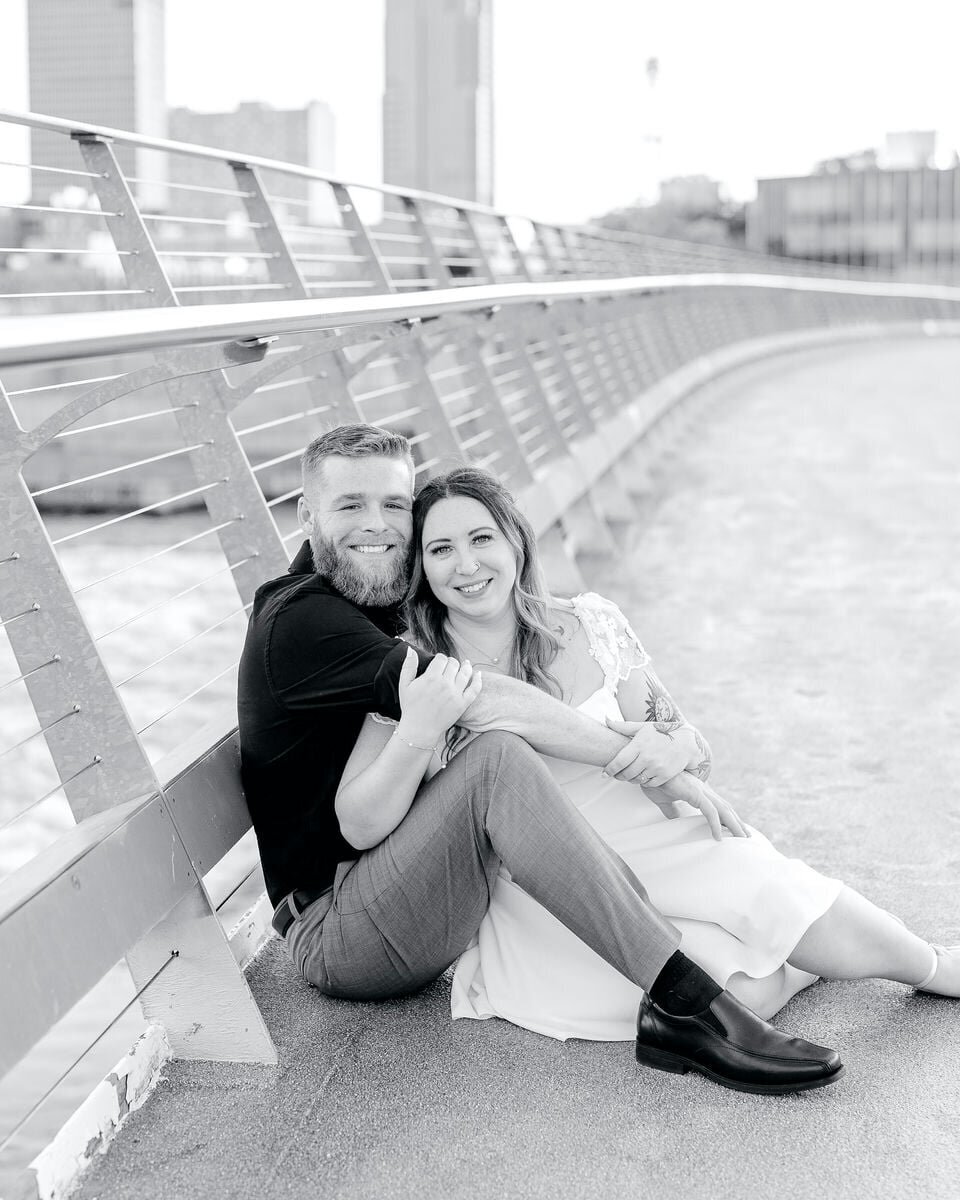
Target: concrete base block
(586, 530)
(559, 565)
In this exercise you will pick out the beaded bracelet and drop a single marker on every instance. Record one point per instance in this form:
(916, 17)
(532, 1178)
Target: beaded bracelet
(414, 746)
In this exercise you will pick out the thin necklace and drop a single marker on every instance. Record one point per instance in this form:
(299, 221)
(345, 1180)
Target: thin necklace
(493, 659)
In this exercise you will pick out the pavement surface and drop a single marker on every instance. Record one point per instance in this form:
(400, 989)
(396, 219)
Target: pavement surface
(794, 573)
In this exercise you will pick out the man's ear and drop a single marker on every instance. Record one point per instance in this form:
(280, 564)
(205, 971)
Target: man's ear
(304, 515)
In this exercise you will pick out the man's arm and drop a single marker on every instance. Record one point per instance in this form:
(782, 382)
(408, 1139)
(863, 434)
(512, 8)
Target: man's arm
(547, 724)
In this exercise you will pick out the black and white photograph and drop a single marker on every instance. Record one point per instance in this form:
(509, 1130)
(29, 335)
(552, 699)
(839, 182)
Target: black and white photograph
(479, 600)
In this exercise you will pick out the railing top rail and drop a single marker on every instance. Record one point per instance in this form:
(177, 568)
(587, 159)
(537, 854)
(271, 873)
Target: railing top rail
(57, 337)
(125, 137)
(717, 251)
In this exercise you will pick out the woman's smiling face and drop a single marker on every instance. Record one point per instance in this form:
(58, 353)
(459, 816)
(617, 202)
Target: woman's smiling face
(467, 560)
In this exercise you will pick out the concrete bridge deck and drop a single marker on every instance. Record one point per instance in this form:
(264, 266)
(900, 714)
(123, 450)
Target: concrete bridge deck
(810, 624)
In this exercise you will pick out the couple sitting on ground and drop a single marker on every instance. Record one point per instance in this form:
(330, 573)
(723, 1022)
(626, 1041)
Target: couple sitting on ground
(446, 764)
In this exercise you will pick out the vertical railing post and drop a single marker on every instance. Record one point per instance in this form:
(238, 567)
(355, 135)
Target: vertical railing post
(444, 438)
(281, 266)
(201, 403)
(584, 415)
(141, 265)
(90, 736)
(512, 451)
(470, 221)
(554, 266)
(378, 273)
(438, 268)
(510, 239)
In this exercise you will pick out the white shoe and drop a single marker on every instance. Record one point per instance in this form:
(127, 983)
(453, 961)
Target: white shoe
(940, 955)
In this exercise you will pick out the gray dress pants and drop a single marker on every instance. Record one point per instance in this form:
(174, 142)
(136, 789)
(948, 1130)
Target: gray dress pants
(402, 912)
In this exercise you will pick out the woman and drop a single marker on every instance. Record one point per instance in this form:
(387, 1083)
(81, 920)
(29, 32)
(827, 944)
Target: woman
(762, 925)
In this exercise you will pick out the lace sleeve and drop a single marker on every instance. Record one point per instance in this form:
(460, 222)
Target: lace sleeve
(612, 641)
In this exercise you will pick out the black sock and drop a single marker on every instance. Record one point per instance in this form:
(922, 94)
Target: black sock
(682, 988)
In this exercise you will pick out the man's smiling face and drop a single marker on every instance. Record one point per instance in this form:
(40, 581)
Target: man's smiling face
(356, 512)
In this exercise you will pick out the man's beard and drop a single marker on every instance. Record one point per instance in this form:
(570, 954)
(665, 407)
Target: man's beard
(356, 584)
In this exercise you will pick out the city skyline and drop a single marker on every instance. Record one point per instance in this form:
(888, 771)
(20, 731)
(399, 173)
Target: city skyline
(735, 100)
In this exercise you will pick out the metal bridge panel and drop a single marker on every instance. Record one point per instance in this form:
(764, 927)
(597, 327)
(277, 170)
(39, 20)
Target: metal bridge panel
(76, 909)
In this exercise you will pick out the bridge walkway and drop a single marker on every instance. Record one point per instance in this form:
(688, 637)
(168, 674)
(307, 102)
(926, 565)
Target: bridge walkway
(811, 626)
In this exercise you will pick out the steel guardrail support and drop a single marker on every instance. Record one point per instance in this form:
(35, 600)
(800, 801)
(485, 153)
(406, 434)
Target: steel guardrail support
(270, 238)
(142, 266)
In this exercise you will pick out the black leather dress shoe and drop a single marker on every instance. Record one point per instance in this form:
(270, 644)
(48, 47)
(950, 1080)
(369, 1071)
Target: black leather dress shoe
(731, 1045)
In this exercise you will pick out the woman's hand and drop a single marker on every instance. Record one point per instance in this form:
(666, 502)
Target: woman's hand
(653, 756)
(434, 700)
(719, 814)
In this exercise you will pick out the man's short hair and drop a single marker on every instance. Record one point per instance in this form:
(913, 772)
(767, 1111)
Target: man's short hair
(353, 441)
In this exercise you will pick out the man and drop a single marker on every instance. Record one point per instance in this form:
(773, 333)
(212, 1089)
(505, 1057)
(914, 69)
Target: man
(321, 652)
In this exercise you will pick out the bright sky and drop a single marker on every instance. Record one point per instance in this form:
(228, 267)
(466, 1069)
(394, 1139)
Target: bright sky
(747, 88)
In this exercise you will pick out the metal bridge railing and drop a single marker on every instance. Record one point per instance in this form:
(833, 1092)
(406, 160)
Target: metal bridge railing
(215, 226)
(123, 834)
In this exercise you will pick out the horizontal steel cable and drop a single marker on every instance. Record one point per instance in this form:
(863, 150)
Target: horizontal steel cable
(53, 170)
(195, 537)
(190, 187)
(36, 733)
(196, 692)
(55, 387)
(176, 649)
(177, 596)
(138, 512)
(298, 416)
(233, 891)
(157, 412)
(143, 462)
(286, 496)
(35, 607)
(94, 762)
(26, 674)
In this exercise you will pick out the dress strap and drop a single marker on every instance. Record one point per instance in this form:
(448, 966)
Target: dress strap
(612, 641)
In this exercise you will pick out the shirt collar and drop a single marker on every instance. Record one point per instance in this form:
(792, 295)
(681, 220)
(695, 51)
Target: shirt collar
(303, 561)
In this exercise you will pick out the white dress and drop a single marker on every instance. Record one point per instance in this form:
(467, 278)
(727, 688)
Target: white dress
(739, 904)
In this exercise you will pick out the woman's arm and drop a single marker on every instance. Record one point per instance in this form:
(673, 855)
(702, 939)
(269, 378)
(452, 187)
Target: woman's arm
(648, 709)
(378, 784)
(387, 765)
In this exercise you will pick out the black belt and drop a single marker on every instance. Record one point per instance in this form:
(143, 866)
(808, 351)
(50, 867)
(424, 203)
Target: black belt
(292, 905)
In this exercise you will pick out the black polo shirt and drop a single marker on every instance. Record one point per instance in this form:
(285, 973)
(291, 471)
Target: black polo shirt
(313, 665)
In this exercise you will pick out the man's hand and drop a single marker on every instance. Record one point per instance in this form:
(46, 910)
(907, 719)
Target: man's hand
(719, 814)
(653, 756)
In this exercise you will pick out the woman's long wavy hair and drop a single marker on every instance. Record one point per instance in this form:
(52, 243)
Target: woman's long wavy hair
(536, 644)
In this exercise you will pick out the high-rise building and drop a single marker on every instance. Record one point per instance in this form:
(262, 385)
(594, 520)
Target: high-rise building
(438, 101)
(102, 62)
(303, 135)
